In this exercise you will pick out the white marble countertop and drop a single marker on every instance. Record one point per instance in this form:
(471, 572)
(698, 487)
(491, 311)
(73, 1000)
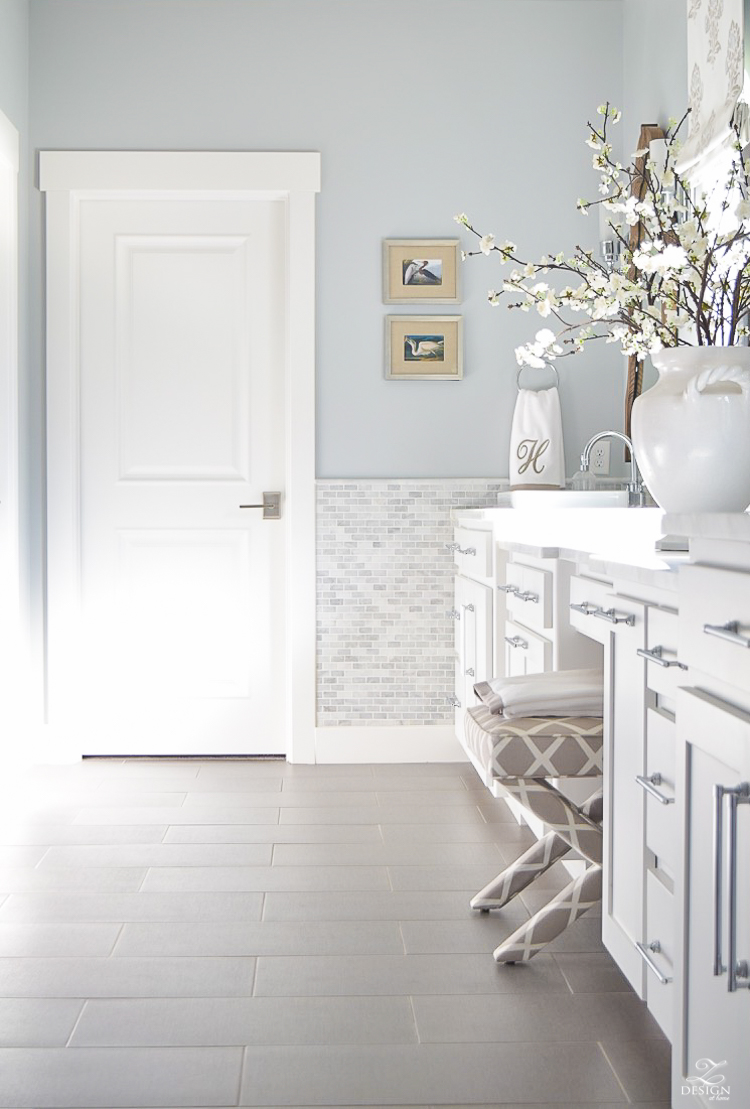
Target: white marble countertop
(732, 526)
(611, 542)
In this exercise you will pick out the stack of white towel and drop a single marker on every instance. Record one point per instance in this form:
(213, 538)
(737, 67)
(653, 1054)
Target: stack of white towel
(557, 693)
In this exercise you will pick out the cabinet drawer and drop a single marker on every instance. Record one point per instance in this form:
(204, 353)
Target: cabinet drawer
(525, 652)
(473, 553)
(587, 595)
(664, 670)
(661, 817)
(660, 934)
(529, 602)
(715, 622)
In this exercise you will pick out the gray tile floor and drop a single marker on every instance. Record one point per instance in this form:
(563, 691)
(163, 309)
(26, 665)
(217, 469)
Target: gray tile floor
(219, 934)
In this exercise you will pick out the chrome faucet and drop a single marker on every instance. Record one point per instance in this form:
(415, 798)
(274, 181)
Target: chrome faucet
(636, 496)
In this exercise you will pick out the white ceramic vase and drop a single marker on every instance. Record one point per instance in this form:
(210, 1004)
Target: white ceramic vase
(691, 431)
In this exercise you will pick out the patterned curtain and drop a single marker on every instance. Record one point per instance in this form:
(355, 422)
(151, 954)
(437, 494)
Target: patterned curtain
(716, 73)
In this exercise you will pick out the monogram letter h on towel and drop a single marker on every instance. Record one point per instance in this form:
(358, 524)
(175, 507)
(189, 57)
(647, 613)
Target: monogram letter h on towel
(537, 457)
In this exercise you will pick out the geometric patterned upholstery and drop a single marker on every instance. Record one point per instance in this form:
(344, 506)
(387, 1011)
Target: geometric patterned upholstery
(535, 746)
(523, 753)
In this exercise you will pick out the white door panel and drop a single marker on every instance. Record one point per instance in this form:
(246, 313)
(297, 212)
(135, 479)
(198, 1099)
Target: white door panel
(181, 410)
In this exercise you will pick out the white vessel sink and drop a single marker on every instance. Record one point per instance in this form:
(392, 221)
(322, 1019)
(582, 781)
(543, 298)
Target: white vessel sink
(542, 500)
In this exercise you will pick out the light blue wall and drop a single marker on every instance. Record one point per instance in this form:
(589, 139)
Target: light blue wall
(421, 109)
(655, 84)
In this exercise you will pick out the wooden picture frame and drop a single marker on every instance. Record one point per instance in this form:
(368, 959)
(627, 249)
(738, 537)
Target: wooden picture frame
(421, 271)
(424, 348)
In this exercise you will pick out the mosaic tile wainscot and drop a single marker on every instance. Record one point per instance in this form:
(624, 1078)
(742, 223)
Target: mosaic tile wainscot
(384, 590)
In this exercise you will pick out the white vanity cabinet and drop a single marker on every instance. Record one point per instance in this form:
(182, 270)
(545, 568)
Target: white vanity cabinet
(637, 626)
(473, 615)
(538, 635)
(713, 884)
(624, 761)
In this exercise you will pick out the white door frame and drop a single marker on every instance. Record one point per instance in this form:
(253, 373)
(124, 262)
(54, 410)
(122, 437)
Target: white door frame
(14, 708)
(67, 178)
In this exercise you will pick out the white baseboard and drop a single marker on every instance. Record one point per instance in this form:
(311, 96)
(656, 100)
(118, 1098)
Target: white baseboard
(404, 743)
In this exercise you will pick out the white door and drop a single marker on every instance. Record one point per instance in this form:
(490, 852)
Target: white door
(179, 644)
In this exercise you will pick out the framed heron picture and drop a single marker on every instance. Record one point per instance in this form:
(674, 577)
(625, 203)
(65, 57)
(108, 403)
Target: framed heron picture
(427, 348)
(424, 270)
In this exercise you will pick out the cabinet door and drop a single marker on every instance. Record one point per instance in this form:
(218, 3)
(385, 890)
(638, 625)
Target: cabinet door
(473, 641)
(623, 920)
(714, 931)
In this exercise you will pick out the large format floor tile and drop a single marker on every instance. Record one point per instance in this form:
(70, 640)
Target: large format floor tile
(264, 938)
(256, 1020)
(97, 1078)
(136, 977)
(274, 833)
(159, 854)
(64, 906)
(468, 832)
(26, 832)
(28, 880)
(436, 1074)
(43, 940)
(184, 933)
(267, 878)
(196, 814)
(362, 905)
(37, 1022)
(328, 976)
(523, 1017)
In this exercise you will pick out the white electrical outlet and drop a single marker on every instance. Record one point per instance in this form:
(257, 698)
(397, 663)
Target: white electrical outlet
(600, 458)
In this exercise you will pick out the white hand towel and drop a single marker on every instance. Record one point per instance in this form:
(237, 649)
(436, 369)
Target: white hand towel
(557, 693)
(537, 458)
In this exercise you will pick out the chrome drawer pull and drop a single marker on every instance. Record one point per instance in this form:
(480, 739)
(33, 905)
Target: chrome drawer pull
(452, 547)
(729, 632)
(516, 641)
(454, 614)
(454, 701)
(533, 597)
(643, 951)
(611, 617)
(585, 608)
(464, 550)
(469, 672)
(468, 608)
(649, 783)
(737, 795)
(508, 588)
(655, 655)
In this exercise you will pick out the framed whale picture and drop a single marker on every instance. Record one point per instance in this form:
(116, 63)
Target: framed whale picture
(426, 348)
(424, 270)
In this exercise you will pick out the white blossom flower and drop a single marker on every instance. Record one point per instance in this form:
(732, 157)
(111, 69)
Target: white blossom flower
(687, 281)
(462, 219)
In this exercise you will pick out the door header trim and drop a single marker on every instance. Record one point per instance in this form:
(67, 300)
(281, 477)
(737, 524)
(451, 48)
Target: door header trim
(281, 171)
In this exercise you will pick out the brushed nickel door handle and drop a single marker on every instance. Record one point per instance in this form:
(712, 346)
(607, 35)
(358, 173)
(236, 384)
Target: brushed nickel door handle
(271, 506)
